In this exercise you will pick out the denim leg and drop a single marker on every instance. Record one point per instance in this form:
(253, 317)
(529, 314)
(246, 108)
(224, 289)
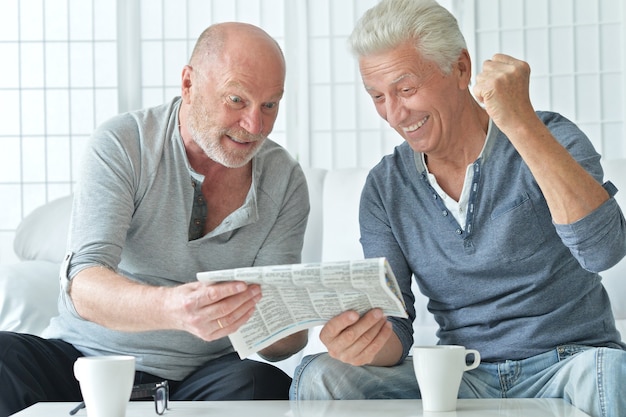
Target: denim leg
(590, 378)
(611, 368)
(592, 381)
(320, 377)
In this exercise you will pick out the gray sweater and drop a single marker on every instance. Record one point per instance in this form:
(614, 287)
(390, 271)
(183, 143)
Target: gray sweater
(512, 284)
(132, 213)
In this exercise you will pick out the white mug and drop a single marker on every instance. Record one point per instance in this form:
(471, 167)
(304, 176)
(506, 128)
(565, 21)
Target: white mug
(106, 383)
(439, 370)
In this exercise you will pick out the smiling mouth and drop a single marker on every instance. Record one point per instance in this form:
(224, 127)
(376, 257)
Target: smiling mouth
(239, 141)
(416, 126)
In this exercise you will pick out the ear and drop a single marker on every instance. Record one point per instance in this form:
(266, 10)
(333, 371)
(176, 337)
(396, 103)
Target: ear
(464, 69)
(186, 83)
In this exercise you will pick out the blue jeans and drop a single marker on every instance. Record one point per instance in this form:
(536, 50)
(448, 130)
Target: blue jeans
(592, 379)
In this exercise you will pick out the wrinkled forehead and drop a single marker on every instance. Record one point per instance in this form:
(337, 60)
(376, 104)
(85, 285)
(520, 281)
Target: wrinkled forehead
(395, 66)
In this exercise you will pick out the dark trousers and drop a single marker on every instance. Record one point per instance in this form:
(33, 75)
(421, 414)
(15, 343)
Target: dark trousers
(33, 369)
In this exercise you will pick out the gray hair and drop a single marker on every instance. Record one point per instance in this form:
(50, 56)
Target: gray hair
(433, 29)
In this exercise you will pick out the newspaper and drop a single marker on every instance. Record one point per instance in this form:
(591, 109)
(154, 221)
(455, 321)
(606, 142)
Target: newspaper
(300, 296)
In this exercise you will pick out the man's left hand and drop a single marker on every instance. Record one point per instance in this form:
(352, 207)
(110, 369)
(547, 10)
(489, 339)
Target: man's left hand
(503, 88)
(356, 340)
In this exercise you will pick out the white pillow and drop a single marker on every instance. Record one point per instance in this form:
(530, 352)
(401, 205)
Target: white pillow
(42, 235)
(28, 296)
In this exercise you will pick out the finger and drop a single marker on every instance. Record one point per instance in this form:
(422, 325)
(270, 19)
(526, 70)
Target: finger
(226, 325)
(226, 316)
(342, 331)
(221, 290)
(369, 351)
(483, 82)
(498, 62)
(354, 337)
(492, 68)
(338, 324)
(364, 350)
(233, 316)
(478, 93)
(205, 304)
(505, 65)
(505, 59)
(206, 296)
(229, 305)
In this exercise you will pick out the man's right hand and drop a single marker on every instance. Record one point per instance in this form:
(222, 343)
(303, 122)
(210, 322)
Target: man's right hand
(212, 311)
(209, 311)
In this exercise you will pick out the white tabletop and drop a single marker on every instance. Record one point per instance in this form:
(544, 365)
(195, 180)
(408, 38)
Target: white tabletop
(360, 408)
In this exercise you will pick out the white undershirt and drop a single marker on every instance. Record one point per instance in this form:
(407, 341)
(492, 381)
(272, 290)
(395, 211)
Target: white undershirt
(457, 208)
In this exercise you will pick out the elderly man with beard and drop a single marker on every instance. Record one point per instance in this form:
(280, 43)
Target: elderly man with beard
(165, 192)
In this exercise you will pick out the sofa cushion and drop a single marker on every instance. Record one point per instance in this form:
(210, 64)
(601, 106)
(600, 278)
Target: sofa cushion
(312, 248)
(42, 235)
(28, 296)
(340, 207)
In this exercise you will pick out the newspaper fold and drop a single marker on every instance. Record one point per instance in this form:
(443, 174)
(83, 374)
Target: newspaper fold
(300, 296)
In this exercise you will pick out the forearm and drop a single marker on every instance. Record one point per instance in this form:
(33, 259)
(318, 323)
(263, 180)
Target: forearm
(209, 311)
(104, 297)
(570, 192)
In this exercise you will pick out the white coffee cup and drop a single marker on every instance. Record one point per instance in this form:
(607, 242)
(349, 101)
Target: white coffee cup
(439, 370)
(106, 383)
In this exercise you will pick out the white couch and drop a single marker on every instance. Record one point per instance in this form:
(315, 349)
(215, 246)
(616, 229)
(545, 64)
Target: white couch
(29, 289)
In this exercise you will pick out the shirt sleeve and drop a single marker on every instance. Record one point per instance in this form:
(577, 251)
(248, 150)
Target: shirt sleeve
(378, 241)
(104, 200)
(598, 240)
(284, 242)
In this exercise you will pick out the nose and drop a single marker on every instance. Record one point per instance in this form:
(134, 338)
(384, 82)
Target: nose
(252, 121)
(395, 112)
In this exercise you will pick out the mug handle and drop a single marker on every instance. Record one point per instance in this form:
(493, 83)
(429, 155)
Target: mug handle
(476, 362)
(77, 369)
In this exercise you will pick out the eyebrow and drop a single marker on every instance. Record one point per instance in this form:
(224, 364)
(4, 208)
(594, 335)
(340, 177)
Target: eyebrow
(238, 85)
(394, 81)
(400, 78)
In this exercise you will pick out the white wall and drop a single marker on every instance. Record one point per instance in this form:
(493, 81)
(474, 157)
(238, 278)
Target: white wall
(70, 64)
(576, 52)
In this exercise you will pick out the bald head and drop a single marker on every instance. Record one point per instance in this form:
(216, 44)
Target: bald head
(223, 39)
(231, 91)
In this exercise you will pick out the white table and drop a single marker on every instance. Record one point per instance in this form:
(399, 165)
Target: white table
(360, 408)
